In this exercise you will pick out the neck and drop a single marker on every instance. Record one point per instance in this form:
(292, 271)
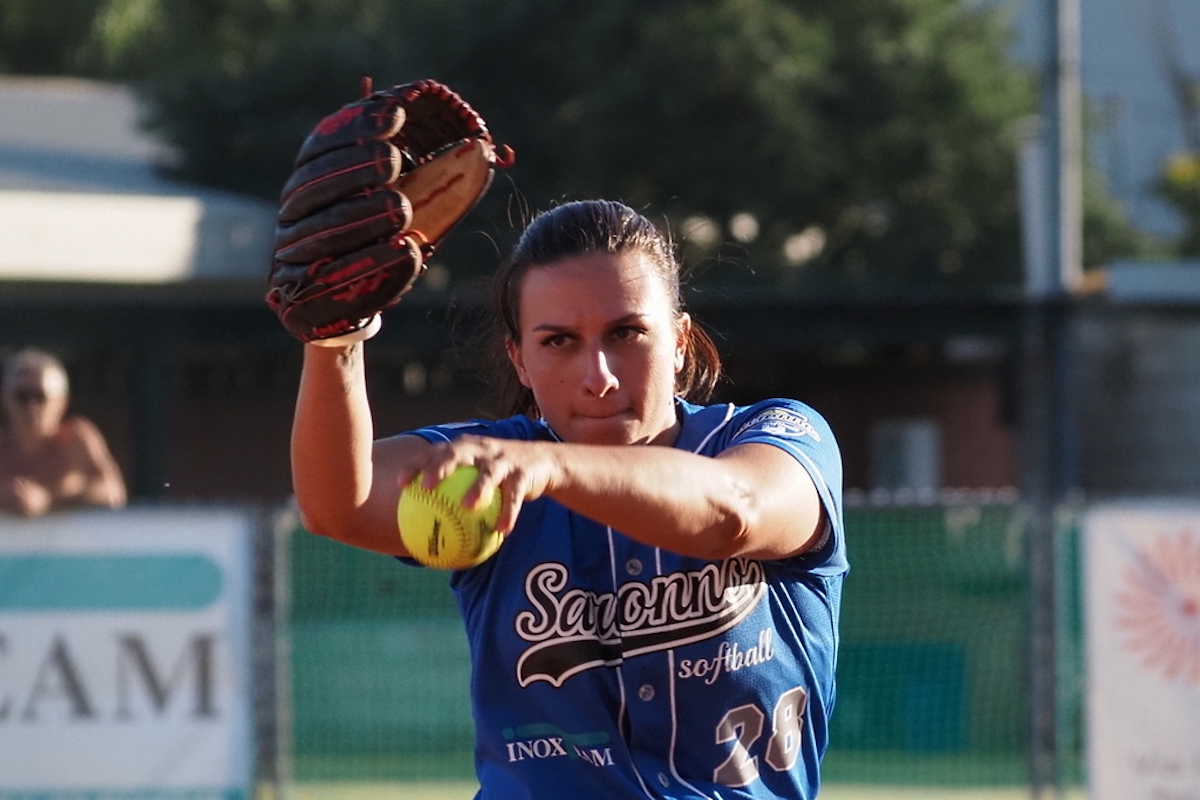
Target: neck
(28, 442)
(669, 435)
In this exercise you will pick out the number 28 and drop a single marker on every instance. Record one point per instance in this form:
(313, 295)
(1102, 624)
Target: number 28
(744, 725)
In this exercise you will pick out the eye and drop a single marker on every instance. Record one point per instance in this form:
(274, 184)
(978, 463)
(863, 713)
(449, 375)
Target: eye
(556, 340)
(627, 333)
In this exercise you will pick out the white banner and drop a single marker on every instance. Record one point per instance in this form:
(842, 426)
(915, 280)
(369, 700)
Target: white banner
(125, 655)
(1142, 575)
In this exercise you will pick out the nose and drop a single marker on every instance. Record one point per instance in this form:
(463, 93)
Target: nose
(598, 378)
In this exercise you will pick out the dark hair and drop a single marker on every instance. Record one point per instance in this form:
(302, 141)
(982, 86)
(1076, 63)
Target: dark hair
(576, 229)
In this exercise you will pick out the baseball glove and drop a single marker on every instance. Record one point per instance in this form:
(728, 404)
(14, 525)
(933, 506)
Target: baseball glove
(376, 187)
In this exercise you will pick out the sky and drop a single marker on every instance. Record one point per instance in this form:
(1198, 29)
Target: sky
(1135, 124)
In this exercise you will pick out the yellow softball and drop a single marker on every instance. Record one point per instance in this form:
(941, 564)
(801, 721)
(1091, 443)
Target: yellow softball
(439, 531)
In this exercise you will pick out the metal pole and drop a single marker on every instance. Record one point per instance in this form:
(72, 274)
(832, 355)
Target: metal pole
(1038, 493)
(1048, 477)
(1046, 425)
(1070, 143)
(283, 773)
(150, 418)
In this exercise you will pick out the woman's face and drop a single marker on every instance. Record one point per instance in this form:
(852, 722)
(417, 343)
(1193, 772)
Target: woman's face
(600, 347)
(35, 403)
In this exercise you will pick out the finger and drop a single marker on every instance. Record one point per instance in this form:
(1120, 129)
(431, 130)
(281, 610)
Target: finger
(406, 476)
(343, 227)
(512, 497)
(336, 175)
(437, 465)
(422, 471)
(432, 476)
(487, 482)
(418, 473)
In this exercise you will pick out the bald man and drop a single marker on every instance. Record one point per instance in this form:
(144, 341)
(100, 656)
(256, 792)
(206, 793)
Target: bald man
(48, 461)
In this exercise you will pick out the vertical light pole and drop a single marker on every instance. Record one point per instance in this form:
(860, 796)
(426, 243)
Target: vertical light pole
(1069, 100)
(1047, 437)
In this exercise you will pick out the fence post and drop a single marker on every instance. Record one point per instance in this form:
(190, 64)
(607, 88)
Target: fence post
(285, 524)
(1047, 476)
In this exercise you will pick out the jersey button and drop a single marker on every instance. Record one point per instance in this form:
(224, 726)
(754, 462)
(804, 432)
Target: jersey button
(664, 780)
(646, 692)
(633, 566)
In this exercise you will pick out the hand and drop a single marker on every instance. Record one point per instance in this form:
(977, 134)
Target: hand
(520, 471)
(377, 186)
(31, 499)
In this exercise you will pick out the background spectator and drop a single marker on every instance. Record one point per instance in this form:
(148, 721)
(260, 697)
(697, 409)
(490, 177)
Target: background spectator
(49, 461)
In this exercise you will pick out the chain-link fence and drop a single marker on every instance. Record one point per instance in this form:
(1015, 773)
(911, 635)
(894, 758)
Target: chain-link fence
(932, 677)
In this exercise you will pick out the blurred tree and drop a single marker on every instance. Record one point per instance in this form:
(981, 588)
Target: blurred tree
(48, 37)
(797, 144)
(1179, 184)
(1178, 181)
(1107, 232)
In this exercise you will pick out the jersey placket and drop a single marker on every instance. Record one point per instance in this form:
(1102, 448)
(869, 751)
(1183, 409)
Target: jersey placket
(647, 682)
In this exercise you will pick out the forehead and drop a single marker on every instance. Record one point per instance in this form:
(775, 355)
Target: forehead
(39, 377)
(598, 284)
(31, 374)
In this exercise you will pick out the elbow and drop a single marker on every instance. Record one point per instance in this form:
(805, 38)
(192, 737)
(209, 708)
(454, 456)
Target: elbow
(730, 536)
(347, 531)
(330, 524)
(320, 525)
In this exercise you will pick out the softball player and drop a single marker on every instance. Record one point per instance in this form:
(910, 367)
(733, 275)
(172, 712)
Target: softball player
(661, 621)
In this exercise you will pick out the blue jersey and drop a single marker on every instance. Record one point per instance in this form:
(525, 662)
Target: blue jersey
(605, 668)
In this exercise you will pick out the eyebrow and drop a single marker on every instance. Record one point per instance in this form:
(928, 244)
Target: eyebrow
(637, 316)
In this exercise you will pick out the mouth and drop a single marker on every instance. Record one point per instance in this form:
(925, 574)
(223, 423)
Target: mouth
(601, 416)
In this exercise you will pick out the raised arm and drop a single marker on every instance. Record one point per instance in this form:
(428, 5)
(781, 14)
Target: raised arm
(378, 185)
(345, 483)
(102, 483)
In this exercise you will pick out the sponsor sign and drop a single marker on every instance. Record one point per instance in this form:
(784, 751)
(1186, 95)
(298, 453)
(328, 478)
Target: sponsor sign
(124, 655)
(1142, 573)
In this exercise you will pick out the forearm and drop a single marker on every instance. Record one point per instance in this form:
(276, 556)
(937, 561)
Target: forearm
(95, 478)
(753, 500)
(331, 438)
(686, 503)
(107, 490)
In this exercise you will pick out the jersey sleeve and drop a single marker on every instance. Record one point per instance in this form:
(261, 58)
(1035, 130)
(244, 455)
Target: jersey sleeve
(512, 428)
(805, 435)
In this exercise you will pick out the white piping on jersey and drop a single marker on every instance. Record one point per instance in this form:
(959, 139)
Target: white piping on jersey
(658, 571)
(553, 434)
(675, 727)
(815, 472)
(713, 432)
(612, 565)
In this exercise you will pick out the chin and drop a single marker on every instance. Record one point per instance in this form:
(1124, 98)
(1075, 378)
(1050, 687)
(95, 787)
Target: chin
(608, 431)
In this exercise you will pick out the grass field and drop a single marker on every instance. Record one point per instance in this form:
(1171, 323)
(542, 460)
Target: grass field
(847, 775)
(466, 790)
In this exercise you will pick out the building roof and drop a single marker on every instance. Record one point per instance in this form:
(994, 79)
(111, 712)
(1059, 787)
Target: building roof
(81, 199)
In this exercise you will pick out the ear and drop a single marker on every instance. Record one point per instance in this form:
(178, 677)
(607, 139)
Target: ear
(514, 356)
(683, 332)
